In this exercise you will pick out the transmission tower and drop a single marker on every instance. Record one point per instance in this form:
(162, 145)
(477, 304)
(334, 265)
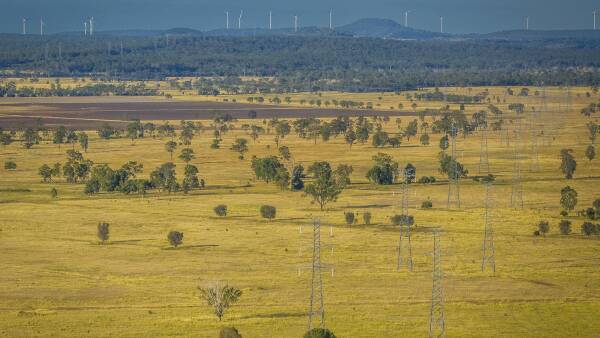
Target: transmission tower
(436, 312)
(405, 224)
(488, 233)
(453, 175)
(534, 131)
(516, 197)
(484, 164)
(316, 311)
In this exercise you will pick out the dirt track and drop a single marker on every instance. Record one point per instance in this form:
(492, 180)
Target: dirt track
(78, 114)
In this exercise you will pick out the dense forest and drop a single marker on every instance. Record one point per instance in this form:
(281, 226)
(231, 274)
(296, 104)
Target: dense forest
(300, 63)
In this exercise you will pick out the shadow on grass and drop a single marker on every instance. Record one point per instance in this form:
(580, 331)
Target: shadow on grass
(276, 315)
(190, 247)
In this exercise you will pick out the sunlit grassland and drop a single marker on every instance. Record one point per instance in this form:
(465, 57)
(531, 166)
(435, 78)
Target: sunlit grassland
(57, 280)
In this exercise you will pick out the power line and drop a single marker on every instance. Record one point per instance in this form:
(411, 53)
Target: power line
(454, 175)
(484, 163)
(437, 325)
(405, 223)
(488, 233)
(516, 196)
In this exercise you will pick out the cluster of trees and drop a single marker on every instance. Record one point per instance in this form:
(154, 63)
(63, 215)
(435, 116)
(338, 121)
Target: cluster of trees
(99, 89)
(565, 228)
(296, 61)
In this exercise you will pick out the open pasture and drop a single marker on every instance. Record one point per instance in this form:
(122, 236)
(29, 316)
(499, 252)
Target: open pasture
(57, 280)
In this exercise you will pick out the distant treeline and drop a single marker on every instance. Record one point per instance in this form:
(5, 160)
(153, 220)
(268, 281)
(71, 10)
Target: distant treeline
(11, 90)
(308, 63)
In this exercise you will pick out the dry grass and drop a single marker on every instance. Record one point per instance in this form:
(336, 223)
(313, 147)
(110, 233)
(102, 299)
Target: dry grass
(58, 281)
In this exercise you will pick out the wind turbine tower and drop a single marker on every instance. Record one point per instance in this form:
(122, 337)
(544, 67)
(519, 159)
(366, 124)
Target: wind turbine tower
(594, 12)
(91, 26)
(85, 28)
(442, 24)
(406, 18)
(42, 26)
(270, 20)
(295, 24)
(527, 23)
(240, 19)
(331, 19)
(227, 19)
(24, 26)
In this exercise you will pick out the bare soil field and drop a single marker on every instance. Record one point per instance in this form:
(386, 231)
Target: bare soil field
(92, 112)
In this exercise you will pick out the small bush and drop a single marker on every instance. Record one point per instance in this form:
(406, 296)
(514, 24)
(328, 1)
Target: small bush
(427, 204)
(536, 233)
(565, 227)
(175, 238)
(589, 228)
(221, 210)
(349, 216)
(53, 193)
(590, 213)
(367, 218)
(403, 220)
(319, 333)
(10, 165)
(426, 180)
(268, 211)
(543, 227)
(564, 213)
(103, 231)
(229, 332)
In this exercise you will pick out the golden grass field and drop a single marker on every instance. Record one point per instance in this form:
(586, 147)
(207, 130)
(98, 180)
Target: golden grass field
(57, 281)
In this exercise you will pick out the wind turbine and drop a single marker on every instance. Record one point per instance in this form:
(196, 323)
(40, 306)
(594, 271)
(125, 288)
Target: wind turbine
(442, 24)
(331, 19)
(295, 24)
(594, 12)
(527, 23)
(42, 26)
(406, 18)
(240, 19)
(270, 20)
(85, 28)
(24, 26)
(91, 26)
(227, 22)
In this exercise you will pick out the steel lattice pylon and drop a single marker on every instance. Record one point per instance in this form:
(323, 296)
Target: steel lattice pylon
(437, 325)
(516, 196)
(404, 224)
(453, 175)
(484, 163)
(316, 311)
(488, 233)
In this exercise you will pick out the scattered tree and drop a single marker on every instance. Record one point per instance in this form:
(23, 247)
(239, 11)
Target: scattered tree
(10, 165)
(46, 173)
(220, 298)
(367, 218)
(590, 152)
(175, 238)
(543, 227)
(350, 218)
(170, 147)
(240, 146)
(297, 178)
(221, 210)
(568, 164)
(588, 228)
(229, 332)
(53, 193)
(565, 227)
(186, 155)
(319, 333)
(267, 211)
(568, 198)
(103, 232)
(325, 186)
(385, 170)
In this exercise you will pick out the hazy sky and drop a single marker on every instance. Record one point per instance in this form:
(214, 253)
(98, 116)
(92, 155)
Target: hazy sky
(460, 16)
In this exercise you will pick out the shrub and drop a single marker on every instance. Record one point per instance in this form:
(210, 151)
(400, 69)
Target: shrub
(221, 210)
(427, 204)
(53, 193)
(543, 227)
(268, 211)
(536, 233)
(103, 231)
(229, 332)
(319, 333)
(426, 180)
(564, 213)
(565, 227)
(175, 238)
(367, 218)
(403, 220)
(589, 228)
(10, 165)
(349, 216)
(590, 213)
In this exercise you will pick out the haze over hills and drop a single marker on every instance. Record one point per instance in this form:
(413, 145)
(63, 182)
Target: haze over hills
(369, 27)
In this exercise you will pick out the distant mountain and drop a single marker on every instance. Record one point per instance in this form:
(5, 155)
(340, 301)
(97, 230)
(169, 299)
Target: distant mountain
(530, 35)
(385, 28)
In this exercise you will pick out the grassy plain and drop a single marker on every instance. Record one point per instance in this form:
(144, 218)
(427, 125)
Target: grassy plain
(57, 280)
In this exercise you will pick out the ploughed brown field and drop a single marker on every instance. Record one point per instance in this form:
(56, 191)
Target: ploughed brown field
(93, 112)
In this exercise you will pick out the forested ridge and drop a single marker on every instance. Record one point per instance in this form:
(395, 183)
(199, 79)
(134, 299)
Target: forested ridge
(308, 63)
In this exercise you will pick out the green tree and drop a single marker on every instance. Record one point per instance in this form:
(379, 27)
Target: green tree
(568, 198)
(385, 170)
(220, 298)
(324, 187)
(543, 227)
(83, 140)
(170, 148)
(565, 227)
(267, 211)
(350, 137)
(103, 231)
(412, 129)
(297, 178)
(220, 210)
(568, 164)
(46, 173)
(424, 139)
(590, 152)
(164, 178)
(175, 238)
(186, 155)
(240, 146)
(319, 333)
(444, 143)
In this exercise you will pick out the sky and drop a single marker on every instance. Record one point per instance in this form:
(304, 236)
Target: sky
(460, 16)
